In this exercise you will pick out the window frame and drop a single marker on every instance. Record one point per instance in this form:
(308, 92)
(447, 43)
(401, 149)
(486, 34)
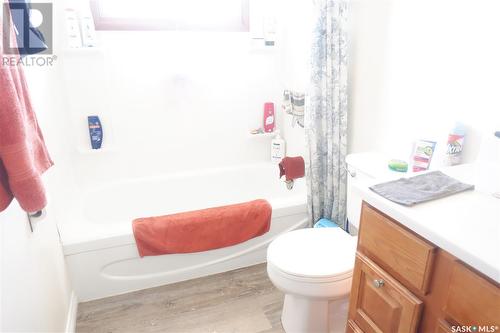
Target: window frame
(104, 23)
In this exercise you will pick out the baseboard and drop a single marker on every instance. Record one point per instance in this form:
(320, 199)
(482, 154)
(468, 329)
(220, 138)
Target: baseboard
(72, 310)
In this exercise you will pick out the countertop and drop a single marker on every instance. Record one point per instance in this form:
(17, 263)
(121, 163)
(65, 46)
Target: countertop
(467, 224)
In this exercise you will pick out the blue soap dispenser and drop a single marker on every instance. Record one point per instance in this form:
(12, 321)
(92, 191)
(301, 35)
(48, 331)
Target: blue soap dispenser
(95, 131)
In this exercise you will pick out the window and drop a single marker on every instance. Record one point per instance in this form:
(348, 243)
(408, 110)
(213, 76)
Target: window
(196, 15)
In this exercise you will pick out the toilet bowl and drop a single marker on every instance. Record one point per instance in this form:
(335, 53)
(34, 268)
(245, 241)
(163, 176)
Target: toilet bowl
(313, 268)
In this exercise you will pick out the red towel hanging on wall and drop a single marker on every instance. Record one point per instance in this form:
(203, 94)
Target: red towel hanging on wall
(23, 154)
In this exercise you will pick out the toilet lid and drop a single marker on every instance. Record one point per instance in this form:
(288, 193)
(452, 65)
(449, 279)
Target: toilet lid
(316, 253)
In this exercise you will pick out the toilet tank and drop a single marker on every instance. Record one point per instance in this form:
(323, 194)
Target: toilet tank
(363, 168)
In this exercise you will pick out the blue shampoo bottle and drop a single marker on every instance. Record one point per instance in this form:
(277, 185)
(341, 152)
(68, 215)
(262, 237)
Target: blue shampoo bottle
(95, 131)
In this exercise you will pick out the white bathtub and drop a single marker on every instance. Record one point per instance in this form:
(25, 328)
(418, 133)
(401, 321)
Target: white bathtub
(97, 235)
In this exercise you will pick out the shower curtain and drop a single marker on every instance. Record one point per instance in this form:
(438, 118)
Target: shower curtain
(326, 114)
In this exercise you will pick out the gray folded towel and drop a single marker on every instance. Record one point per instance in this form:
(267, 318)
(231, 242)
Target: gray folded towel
(421, 188)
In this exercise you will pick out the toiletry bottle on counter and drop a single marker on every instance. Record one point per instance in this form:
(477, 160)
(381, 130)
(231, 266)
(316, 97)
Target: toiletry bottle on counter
(95, 132)
(455, 145)
(278, 148)
(269, 117)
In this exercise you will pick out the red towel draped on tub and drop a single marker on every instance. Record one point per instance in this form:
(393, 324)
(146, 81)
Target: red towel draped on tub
(23, 155)
(202, 230)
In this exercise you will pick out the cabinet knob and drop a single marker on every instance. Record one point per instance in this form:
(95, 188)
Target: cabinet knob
(378, 283)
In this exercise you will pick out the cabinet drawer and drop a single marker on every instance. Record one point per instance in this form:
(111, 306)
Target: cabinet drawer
(379, 303)
(403, 254)
(472, 300)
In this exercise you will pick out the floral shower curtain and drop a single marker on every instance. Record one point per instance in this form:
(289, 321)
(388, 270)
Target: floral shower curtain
(326, 114)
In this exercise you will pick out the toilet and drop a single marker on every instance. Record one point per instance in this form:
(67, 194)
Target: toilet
(313, 266)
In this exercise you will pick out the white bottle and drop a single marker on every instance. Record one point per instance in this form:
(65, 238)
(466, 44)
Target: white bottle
(278, 148)
(269, 31)
(87, 27)
(73, 35)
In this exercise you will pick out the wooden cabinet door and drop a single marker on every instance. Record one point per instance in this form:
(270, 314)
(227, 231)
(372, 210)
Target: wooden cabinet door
(352, 327)
(472, 300)
(379, 303)
(398, 251)
(442, 327)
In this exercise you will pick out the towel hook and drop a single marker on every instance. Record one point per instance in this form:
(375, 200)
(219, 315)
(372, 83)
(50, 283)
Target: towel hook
(289, 184)
(33, 215)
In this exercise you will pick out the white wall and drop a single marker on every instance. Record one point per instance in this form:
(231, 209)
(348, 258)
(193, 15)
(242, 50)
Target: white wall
(35, 289)
(296, 37)
(369, 21)
(174, 101)
(35, 293)
(419, 66)
(170, 101)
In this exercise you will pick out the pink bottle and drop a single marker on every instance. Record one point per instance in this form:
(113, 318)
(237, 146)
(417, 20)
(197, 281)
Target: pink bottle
(269, 117)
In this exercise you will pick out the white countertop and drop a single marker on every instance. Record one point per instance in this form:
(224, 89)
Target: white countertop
(467, 224)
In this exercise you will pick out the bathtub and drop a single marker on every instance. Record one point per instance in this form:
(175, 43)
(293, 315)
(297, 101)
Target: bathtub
(96, 227)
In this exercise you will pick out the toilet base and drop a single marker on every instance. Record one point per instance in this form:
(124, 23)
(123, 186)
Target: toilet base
(306, 315)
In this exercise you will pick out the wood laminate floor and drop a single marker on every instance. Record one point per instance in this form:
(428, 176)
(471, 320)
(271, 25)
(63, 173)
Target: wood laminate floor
(243, 301)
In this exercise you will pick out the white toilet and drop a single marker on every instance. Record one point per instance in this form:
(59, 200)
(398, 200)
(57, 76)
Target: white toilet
(313, 267)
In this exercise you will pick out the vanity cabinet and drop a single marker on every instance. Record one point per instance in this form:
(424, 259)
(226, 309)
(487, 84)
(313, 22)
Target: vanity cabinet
(403, 283)
(381, 302)
(472, 299)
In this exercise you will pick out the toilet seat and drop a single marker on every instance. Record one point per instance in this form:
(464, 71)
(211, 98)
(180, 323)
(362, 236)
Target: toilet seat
(313, 255)
(309, 279)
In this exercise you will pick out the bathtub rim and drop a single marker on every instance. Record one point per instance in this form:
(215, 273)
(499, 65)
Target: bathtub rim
(79, 234)
(87, 190)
